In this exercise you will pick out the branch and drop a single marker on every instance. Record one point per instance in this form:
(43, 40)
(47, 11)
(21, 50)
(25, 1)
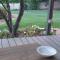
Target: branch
(3, 6)
(1, 12)
(9, 15)
(21, 11)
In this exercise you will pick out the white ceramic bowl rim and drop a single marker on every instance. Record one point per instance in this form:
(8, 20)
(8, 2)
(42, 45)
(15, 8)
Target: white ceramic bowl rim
(46, 51)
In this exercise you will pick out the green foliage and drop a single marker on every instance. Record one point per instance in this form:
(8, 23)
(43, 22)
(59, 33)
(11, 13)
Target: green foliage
(14, 1)
(8, 18)
(26, 1)
(34, 3)
(4, 1)
(33, 31)
(3, 34)
(4, 11)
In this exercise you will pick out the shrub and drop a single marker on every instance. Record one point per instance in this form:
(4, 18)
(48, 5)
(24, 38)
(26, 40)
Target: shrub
(4, 11)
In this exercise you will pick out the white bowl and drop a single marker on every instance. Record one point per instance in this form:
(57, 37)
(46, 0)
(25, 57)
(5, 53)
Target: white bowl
(46, 51)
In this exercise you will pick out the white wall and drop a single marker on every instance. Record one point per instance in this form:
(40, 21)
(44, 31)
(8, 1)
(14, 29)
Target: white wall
(13, 6)
(56, 5)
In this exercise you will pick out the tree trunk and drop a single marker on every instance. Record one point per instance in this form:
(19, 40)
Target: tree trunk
(9, 16)
(50, 15)
(5, 18)
(8, 19)
(21, 11)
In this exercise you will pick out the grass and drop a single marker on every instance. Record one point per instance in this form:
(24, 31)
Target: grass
(36, 17)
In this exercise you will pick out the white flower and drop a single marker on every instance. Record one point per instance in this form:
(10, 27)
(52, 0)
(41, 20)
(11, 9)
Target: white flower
(24, 32)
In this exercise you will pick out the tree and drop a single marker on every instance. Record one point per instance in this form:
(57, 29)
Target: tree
(34, 3)
(14, 1)
(8, 19)
(50, 16)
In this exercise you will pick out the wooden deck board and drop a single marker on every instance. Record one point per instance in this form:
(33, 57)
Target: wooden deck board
(56, 40)
(29, 39)
(12, 42)
(18, 41)
(24, 41)
(43, 42)
(50, 41)
(5, 43)
(24, 48)
(0, 43)
(28, 52)
(36, 40)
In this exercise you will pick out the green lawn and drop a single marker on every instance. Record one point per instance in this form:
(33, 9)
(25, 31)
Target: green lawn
(37, 17)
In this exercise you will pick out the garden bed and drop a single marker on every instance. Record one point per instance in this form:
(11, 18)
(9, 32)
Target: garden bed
(28, 31)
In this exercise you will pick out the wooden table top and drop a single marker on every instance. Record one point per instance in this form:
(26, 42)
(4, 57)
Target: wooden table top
(28, 51)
